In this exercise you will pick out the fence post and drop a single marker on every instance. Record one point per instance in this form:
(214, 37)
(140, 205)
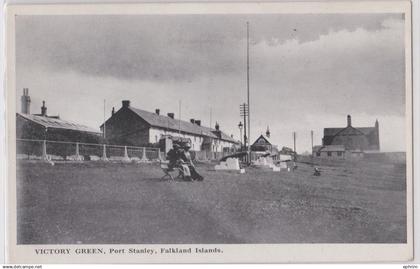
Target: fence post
(159, 157)
(78, 157)
(144, 158)
(104, 158)
(44, 151)
(126, 158)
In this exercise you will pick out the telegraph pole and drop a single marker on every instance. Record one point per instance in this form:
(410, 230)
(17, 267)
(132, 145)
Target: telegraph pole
(312, 140)
(294, 142)
(104, 132)
(179, 121)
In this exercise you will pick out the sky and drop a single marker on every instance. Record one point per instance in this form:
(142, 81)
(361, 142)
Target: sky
(307, 71)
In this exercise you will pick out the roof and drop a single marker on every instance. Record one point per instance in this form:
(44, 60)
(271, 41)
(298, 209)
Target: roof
(165, 122)
(335, 131)
(332, 131)
(316, 148)
(257, 141)
(55, 123)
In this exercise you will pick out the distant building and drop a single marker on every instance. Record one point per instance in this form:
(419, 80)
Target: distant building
(331, 152)
(44, 127)
(133, 126)
(337, 152)
(262, 144)
(348, 142)
(353, 138)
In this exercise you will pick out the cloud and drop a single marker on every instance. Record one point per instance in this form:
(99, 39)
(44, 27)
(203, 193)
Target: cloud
(166, 47)
(302, 80)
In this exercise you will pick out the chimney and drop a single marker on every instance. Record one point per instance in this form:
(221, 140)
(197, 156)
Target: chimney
(157, 111)
(25, 102)
(267, 133)
(43, 109)
(171, 115)
(348, 121)
(217, 126)
(377, 124)
(192, 121)
(126, 103)
(113, 111)
(198, 122)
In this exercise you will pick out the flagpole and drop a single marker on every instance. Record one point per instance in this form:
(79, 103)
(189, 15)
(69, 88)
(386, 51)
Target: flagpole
(247, 85)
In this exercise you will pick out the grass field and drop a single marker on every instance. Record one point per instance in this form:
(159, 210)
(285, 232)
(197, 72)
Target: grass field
(105, 203)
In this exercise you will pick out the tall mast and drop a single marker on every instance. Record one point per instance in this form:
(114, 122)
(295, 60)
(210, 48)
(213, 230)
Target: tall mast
(247, 87)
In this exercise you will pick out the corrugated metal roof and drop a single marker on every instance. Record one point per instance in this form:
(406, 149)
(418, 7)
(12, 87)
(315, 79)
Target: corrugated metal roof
(174, 124)
(58, 123)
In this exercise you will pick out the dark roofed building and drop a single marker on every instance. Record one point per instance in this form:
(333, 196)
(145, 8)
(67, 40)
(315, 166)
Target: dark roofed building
(353, 138)
(44, 127)
(133, 126)
(262, 144)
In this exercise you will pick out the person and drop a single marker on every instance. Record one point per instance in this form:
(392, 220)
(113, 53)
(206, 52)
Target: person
(173, 156)
(317, 172)
(187, 161)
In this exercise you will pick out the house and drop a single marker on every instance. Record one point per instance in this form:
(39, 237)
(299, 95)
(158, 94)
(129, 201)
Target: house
(137, 127)
(262, 144)
(330, 152)
(44, 127)
(353, 138)
(336, 152)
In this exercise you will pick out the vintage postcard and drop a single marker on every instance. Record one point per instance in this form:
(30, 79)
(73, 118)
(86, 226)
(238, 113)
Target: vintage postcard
(209, 132)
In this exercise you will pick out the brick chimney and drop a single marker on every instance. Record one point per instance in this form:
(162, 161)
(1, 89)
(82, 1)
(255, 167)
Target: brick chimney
(157, 111)
(192, 121)
(171, 115)
(25, 100)
(126, 103)
(348, 121)
(198, 122)
(218, 132)
(43, 109)
(267, 133)
(113, 111)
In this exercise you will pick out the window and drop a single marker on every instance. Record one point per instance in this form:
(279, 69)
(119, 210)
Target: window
(329, 153)
(318, 154)
(339, 153)
(156, 138)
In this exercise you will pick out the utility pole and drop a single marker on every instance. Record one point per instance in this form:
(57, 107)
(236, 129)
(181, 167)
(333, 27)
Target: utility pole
(312, 147)
(294, 142)
(104, 132)
(211, 112)
(179, 121)
(312, 140)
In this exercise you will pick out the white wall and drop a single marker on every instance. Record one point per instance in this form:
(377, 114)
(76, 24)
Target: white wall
(196, 140)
